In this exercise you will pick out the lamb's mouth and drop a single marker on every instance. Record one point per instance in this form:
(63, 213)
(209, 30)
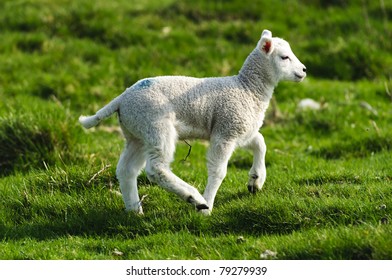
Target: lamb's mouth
(299, 76)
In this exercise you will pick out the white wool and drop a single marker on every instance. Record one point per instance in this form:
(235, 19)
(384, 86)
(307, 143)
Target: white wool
(228, 111)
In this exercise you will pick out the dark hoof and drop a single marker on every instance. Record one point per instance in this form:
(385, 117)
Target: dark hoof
(201, 207)
(252, 189)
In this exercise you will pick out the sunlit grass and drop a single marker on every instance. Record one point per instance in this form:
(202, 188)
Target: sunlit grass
(327, 194)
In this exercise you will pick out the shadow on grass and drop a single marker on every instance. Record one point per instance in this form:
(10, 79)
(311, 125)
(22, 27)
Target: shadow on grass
(255, 222)
(51, 223)
(356, 148)
(330, 179)
(237, 216)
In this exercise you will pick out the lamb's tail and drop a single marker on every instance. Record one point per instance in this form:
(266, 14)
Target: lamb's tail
(105, 112)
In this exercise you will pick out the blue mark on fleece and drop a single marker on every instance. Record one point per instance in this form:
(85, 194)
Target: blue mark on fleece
(144, 84)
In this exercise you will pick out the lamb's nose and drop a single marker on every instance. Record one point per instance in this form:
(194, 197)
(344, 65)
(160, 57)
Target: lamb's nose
(304, 69)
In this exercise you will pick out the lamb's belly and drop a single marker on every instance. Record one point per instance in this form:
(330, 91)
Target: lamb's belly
(186, 131)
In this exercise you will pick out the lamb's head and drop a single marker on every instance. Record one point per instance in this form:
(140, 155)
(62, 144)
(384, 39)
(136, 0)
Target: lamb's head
(282, 61)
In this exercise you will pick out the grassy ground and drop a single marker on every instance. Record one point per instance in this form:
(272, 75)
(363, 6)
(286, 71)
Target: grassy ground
(328, 191)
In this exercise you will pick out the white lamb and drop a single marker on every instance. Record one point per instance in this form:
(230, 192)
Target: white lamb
(228, 111)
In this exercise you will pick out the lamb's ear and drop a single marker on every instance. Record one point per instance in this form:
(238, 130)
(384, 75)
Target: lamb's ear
(265, 44)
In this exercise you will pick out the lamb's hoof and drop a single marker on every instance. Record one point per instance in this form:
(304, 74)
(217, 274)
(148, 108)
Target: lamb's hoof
(252, 189)
(198, 205)
(202, 207)
(255, 183)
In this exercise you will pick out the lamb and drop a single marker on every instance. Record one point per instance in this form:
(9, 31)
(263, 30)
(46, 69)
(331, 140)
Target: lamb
(156, 112)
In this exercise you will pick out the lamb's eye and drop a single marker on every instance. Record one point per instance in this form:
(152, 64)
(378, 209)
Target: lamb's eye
(284, 57)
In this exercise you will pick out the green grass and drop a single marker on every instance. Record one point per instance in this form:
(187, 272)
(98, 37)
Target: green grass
(328, 191)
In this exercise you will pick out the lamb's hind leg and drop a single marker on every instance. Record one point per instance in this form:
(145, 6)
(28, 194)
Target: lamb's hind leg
(257, 173)
(159, 156)
(131, 162)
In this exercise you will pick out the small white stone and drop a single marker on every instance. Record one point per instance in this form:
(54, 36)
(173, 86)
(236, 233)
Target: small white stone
(308, 103)
(268, 254)
(116, 252)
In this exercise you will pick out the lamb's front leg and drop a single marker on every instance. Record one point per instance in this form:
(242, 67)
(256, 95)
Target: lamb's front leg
(257, 173)
(218, 156)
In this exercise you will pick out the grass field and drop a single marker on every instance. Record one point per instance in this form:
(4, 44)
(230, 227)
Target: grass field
(328, 192)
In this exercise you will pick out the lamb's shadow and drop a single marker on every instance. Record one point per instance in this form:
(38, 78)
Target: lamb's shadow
(111, 220)
(75, 222)
(254, 222)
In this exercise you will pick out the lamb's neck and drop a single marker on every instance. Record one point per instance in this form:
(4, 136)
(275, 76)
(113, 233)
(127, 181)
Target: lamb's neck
(256, 75)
